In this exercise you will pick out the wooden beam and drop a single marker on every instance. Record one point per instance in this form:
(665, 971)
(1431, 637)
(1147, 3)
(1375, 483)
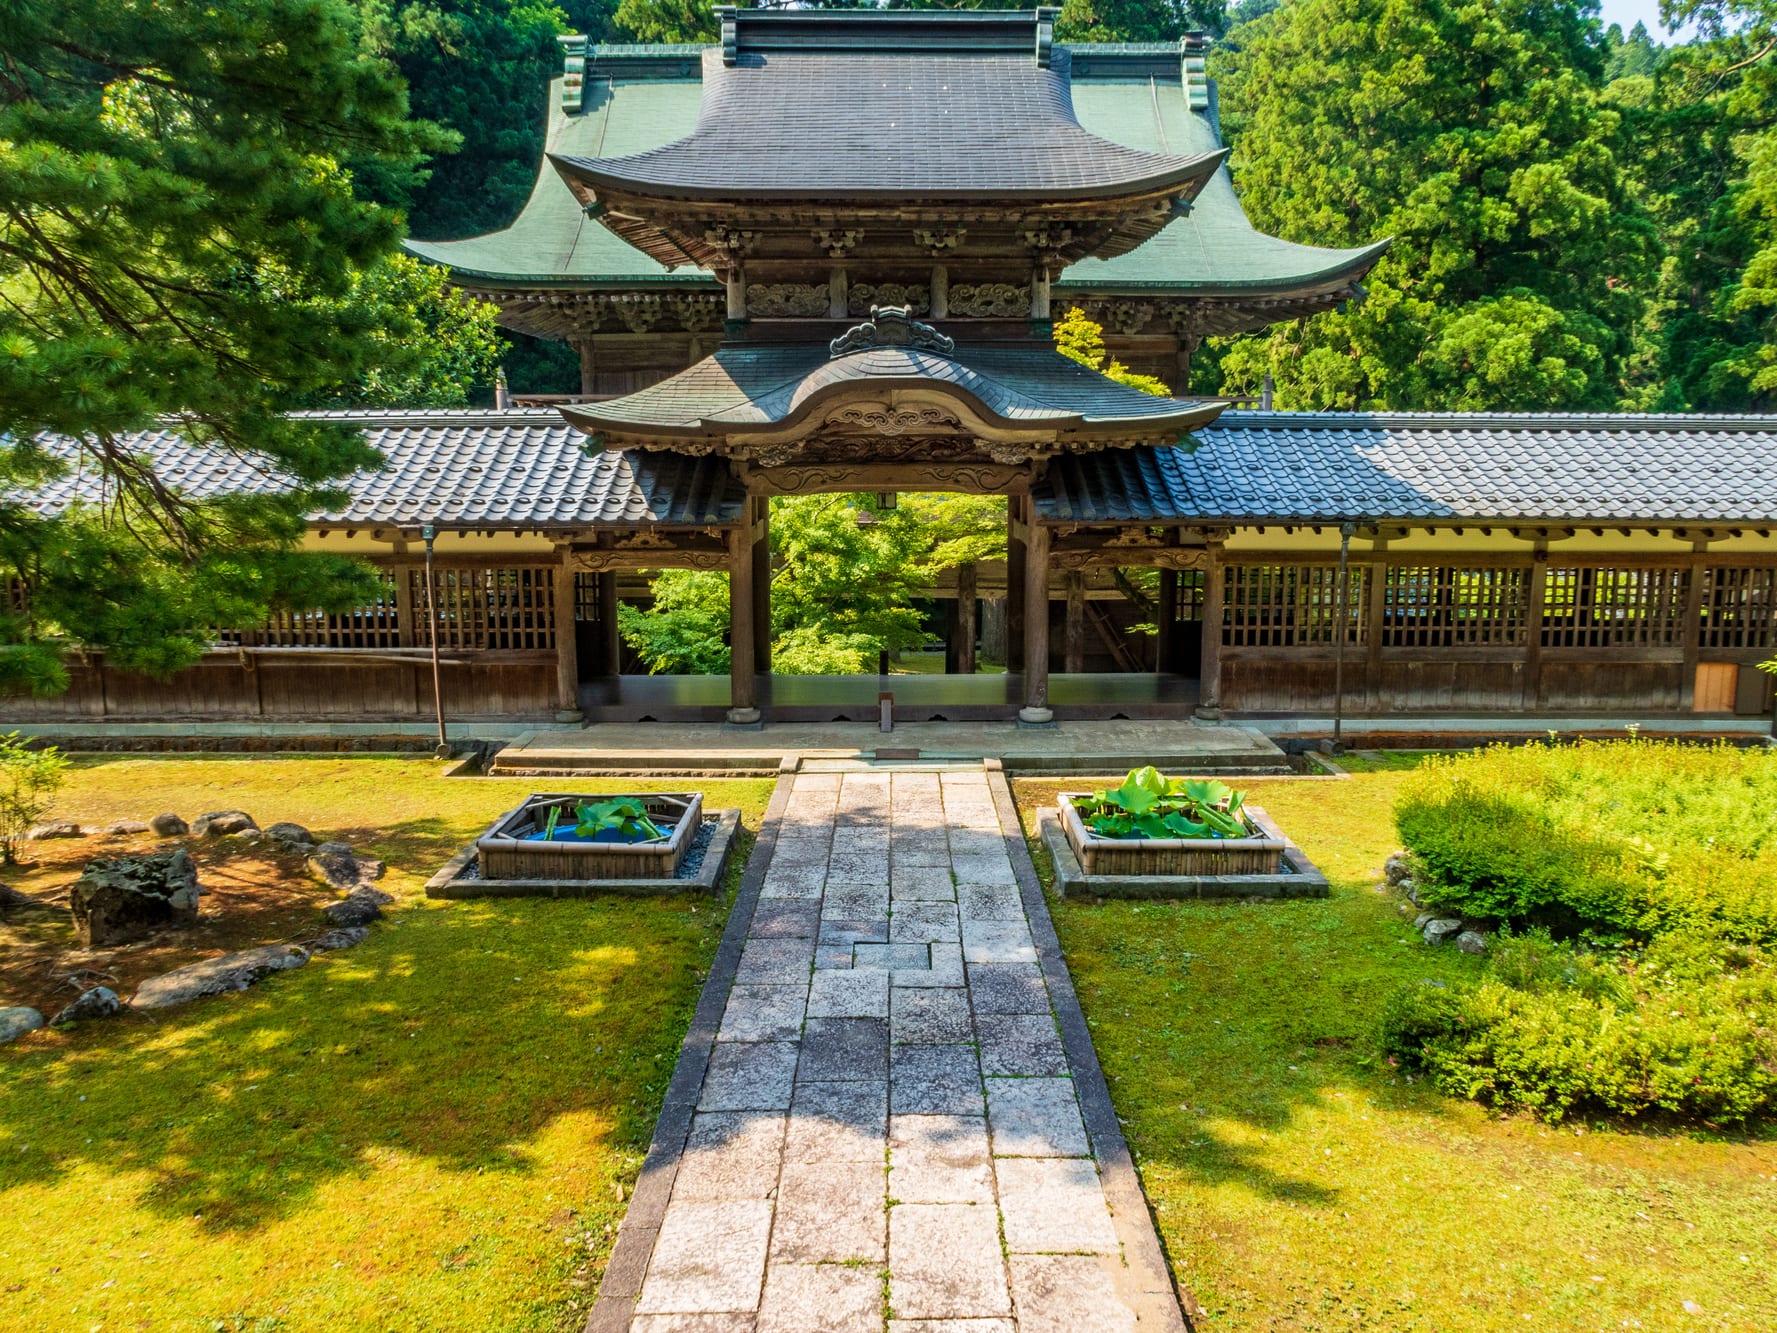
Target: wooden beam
(1036, 627)
(567, 648)
(743, 707)
(1074, 641)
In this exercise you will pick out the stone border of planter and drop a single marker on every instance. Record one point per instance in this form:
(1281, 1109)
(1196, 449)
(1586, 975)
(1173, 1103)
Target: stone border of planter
(1303, 878)
(453, 882)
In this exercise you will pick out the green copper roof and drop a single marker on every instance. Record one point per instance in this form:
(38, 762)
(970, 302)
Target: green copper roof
(639, 98)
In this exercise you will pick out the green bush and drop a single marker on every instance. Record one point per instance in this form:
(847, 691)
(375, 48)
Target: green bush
(1686, 1029)
(1632, 837)
(1658, 863)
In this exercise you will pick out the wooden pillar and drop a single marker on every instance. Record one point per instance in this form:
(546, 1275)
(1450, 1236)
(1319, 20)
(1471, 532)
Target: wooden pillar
(588, 365)
(762, 584)
(743, 708)
(940, 303)
(610, 659)
(838, 297)
(737, 291)
(407, 626)
(567, 649)
(965, 624)
(1036, 709)
(1209, 674)
(1693, 625)
(1535, 601)
(1074, 639)
(1375, 621)
(1015, 510)
(1167, 627)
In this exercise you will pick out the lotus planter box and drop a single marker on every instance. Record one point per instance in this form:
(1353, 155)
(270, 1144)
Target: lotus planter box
(1261, 854)
(512, 850)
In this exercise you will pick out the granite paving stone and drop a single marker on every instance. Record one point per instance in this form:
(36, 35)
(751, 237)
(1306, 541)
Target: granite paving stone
(821, 1298)
(1061, 1293)
(1034, 1117)
(831, 1212)
(767, 961)
(709, 1257)
(1053, 1205)
(924, 922)
(763, 1013)
(849, 994)
(997, 942)
(934, 1080)
(843, 1049)
(749, 1076)
(939, 1159)
(1020, 1046)
(930, 1015)
(874, 1106)
(1008, 988)
(944, 1261)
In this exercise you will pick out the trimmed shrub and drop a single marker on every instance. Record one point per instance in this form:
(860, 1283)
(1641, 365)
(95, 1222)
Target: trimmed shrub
(1628, 837)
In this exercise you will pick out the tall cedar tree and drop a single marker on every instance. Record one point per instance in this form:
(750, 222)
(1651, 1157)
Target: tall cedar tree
(1476, 136)
(178, 241)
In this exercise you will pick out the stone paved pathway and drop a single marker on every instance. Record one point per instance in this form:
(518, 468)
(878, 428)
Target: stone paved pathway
(887, 1136)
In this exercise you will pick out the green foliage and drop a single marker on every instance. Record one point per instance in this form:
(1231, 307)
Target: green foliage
(1080, 339)
(625, 814)
(1633, 837)
(668, 20)
(685, 631)
(1682, 1029)
(1138, 20)
(1151, 805)
(179, 241)
(1477, 137)
(480, 68)
(848, 570)
(29, 781)
(1662, 859)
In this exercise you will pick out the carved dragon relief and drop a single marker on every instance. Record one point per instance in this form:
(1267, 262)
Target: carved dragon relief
(787, 299)
(990, 300)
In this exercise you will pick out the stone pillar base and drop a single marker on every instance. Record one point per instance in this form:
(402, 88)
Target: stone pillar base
(1036, 717)
(1207, 715)
(748, 718)
(570, 715)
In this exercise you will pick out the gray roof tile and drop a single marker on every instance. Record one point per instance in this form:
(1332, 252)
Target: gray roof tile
(457, 469)
(1331, 467)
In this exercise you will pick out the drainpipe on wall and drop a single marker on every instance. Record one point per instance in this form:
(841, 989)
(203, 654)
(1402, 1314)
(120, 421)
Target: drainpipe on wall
(1346, 532)
(430, 533)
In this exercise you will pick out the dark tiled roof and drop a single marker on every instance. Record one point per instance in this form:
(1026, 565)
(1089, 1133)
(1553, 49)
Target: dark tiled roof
(457, 469)
(761, 385)
(870, 125)
(1315, 467)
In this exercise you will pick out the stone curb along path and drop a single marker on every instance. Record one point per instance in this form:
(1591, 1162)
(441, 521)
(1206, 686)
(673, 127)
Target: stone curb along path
(887, 1114)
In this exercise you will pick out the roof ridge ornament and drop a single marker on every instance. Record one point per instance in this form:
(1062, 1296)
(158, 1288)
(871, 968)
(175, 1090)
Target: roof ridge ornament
(892, 326)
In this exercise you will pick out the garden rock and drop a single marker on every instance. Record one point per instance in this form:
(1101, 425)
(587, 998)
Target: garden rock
(1472, 941)
(1442, 929)
(359, 907)
(1408, 887)
(1398, 867)
(345, 937)
(16, 1022)
(124, 828)
(1423, 920)
(220, 822)
(168, 826)
(287, 832)
(342, 870)
(55, 828)
(121, 898)
(217, 976)
(99, 1002)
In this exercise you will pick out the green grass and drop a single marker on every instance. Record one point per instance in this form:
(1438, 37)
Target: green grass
(436, 1130)
(1302, 1185)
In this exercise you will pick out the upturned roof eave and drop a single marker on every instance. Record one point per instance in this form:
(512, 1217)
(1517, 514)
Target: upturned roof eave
(1351, 266)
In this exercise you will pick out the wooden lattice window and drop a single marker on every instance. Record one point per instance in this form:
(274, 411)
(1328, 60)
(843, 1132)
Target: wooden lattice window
(488, 608)
(373, 625)
(1443, 606)
(1591, 607)
(1740, 608)
(1188, 604)
(1290, 606)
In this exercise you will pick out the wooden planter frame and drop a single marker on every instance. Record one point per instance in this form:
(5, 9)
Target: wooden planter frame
(506, 855)
(1257, 855)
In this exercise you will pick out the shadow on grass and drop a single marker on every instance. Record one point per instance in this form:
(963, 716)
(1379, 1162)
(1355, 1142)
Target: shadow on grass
(454, 1034)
